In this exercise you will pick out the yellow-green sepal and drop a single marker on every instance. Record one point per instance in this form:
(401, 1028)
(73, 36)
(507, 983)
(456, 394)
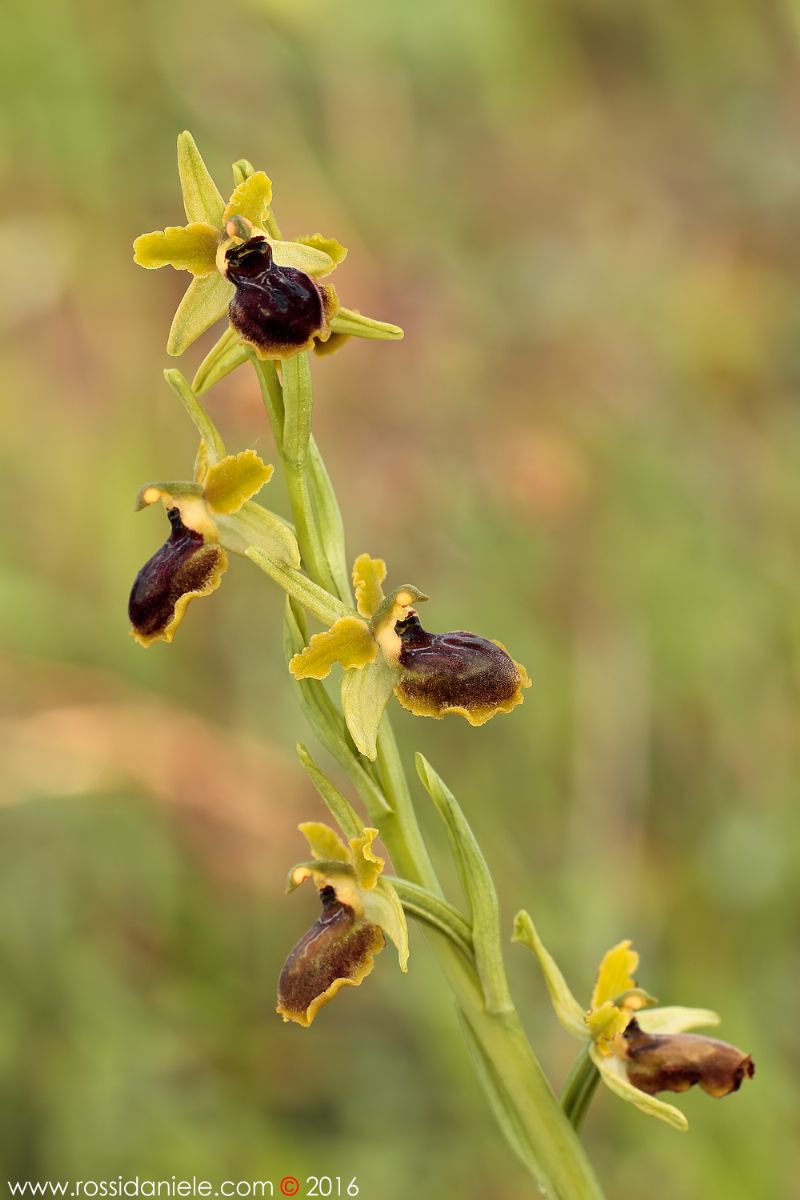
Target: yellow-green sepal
(235, 479)
(567, 1009)
(201, 198)
(382, 907)
(349, 323)
(348, 642)
(227, 353)
(613, 1075)
(365, 694)
(190, 248)
(205, 302)
(242, 169)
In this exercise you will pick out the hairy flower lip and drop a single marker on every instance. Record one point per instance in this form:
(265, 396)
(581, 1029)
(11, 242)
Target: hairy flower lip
(276, 310)
(456, 672)
(187, 566)
(657, 1062)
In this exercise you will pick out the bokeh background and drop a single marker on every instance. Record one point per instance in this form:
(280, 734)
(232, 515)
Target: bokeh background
(586, 215)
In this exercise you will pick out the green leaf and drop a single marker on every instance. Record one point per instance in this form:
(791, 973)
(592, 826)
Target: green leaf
(204, 303)
(479, 889)
(316, 600)
(340, 809)
(215, 447)
(201, 198)
(227, 353)
(567, 1008)
(365, 694)
(329, 520)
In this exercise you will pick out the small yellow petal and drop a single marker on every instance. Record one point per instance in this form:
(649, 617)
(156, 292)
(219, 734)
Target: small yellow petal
(184, 247)
(324, 842)
(368, 865)
(348, 642)
(335, 250)
(234, 480)
(250, 199)
(368, 575)
(615, 974)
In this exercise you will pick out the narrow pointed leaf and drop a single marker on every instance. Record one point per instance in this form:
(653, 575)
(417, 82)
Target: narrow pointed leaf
(312, 597)
(215, 447)
(478, 885)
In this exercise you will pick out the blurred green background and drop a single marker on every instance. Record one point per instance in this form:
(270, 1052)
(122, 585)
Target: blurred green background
(586, 215)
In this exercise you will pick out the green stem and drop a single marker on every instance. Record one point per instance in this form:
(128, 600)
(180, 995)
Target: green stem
(579, 1087)
(522, 1099)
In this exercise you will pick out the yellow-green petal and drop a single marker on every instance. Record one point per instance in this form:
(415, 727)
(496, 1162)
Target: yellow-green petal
(335, 250)
(368, 575)
(365, 695)
(366, 863)
(613, 1075)
(673, 1018)
(567, 1009)
(382, 907)
(185, 247)
(615, 974)
(349, 323)
(324, 842)
(234, 480)
(348, 642)
(205, 302)
(201, 198)
(250, 199)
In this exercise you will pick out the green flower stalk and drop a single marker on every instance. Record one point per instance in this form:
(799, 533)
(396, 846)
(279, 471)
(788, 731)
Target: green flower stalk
(278, 309)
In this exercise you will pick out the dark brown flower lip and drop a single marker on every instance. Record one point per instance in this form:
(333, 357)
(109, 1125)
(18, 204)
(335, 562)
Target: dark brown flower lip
(183, 567)
(279, 310)
(338, 950)
(453, 670)
(675, 1062)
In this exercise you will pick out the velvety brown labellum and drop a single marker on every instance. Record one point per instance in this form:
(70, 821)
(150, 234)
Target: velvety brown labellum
(338, 949)
(275, 308)
(674, 1062)
(183, 564)
(454, 670)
